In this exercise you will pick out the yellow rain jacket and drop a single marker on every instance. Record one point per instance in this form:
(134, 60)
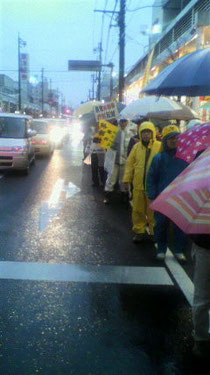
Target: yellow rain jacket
(135, 170)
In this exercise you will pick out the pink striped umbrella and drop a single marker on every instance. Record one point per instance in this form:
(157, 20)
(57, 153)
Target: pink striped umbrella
(186, 201)
(192, 141)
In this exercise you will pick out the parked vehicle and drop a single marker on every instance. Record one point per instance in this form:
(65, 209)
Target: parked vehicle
(16, 147)
(43, 141)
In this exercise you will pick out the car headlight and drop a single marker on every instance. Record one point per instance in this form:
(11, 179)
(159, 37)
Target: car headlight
(56, 135)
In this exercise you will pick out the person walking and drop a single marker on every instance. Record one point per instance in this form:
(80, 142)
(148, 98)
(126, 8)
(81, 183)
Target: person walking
(120, 146)
(97, 162)
(164, 168)
(136, 169)
(135, 138)
(201, 300)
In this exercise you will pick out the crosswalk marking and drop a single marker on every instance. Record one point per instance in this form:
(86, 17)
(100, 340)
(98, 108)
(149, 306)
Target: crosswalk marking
(180, 276)
(85, 273)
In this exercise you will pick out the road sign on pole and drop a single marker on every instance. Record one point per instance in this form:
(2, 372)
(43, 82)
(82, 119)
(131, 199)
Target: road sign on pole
(84, 65)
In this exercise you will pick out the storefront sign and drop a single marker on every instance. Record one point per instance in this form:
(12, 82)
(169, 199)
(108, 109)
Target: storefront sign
(24, 66)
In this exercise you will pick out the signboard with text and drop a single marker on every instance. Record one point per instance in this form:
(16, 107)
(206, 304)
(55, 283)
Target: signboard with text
(84, 65)
(24, 66)
(106, 111)
(107, 134)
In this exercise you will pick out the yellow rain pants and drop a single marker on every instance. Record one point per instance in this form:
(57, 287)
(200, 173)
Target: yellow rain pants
(142, 215)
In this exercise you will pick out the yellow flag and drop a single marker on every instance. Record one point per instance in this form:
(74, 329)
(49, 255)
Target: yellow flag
(146, 77)
(107, 134)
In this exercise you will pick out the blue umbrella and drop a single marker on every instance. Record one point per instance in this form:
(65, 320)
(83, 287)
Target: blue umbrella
(189, 76)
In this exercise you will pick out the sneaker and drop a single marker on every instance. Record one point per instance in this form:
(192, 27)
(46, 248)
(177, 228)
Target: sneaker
(139, 237)
(180, 256)
(107, 197)
(160, 256)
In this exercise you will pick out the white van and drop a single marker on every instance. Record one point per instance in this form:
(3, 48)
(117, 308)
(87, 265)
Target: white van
(16, 148)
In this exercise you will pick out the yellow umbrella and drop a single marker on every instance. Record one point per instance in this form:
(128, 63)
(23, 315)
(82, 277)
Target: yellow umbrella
(86, 107)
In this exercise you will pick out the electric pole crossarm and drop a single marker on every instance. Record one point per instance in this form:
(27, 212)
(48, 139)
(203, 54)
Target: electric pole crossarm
(106, 11)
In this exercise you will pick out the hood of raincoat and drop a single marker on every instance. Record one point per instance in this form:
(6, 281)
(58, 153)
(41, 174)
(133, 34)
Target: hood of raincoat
(147, 125)
(167, 133)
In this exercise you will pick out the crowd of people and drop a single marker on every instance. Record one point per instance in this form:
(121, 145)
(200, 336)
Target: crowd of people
(143, 166)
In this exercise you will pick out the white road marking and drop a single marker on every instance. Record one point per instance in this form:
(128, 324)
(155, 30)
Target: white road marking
(184, 282)
(1, 175)
(85, 273)
(55, 196)
(51, 208)
(47, 213)
(71, 190)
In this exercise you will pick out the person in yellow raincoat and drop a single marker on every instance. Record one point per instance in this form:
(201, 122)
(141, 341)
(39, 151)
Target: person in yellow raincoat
(137, 166)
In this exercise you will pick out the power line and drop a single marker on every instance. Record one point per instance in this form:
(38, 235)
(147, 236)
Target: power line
(148, 6)
(102, 23)
(108, 35)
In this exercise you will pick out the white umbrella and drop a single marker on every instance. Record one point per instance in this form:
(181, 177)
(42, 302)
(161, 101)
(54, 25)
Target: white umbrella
(158, 107)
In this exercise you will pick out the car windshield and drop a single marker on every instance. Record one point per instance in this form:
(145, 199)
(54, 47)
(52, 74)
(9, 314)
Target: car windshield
(12, 127)
(40, 127)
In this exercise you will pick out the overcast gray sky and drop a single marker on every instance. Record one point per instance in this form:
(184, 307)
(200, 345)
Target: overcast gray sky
(59, 30)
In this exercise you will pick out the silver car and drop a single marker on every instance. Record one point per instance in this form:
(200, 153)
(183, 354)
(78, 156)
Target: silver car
(16, 148)
(43, 142)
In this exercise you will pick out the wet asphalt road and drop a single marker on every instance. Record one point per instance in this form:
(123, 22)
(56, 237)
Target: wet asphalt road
(106, 318)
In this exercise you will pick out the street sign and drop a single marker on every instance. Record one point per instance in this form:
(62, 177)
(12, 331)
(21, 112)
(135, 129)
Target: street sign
(84, 65)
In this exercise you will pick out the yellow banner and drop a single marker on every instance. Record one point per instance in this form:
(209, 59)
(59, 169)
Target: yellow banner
(146, 78)
(107, 134)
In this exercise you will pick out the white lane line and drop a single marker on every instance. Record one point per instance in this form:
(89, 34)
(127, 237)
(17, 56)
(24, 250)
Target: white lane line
(184, 282)
(85, 273)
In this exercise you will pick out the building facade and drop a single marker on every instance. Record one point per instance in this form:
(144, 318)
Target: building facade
(185, 28)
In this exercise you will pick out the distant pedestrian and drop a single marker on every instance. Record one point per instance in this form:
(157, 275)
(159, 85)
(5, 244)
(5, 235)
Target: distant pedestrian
(87, 139)
(135, 138)
(137, 166)
(164, 168)
(120, 146)
(97, 162)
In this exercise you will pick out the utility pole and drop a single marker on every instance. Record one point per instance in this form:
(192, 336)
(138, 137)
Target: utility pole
(122, 49)
(111, 65)
(99, 49)
(19, 81)
(99, 74)
(21, 43)
(42, 90)
(121, 24)
(93, 86)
